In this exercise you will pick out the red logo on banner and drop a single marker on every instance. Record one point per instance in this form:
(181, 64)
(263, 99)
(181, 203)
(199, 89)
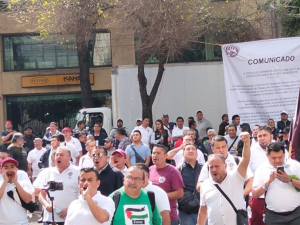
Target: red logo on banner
(231, 50)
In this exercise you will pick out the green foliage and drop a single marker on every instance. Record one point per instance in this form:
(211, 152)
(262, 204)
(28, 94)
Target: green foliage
(291, 18)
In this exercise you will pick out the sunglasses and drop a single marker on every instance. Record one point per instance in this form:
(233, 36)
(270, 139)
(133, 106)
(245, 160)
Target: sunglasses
(97, 155)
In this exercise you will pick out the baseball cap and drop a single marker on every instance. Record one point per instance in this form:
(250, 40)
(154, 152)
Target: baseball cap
(284, 112)
(139, 119)
(165, 115)
(9, 160)
(9, 121)
(26, 128)
(120, 151)
(109, 139)
(66, 129)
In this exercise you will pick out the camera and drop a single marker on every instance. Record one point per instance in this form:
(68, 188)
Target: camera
(54, 186)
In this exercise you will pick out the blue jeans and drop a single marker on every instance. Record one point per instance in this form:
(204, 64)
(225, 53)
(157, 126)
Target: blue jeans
(186, 219)
(175, 222)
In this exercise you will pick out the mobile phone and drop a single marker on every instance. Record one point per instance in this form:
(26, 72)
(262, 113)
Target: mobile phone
(280, 168)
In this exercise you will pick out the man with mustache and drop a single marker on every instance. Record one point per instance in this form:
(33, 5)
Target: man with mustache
(63, 171)
(12, 212)
(92, 207)
(133, 204)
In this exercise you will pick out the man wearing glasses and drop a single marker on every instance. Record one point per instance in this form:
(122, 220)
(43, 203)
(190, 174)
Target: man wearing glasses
(133, 204)
(111, 178)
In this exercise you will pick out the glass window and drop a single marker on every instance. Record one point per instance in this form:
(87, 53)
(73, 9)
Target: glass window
(30, 52)
(38, 111)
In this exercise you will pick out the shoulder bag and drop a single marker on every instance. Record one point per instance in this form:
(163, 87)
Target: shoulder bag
(138, 158)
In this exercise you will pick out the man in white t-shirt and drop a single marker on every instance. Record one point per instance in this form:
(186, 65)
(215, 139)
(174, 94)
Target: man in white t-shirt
(161, 197)
(64, 172)
(220, 146)
(177, 132)
(145, 130)
(13, 189)
(34, 157)
(87, 159)
(213, 205)
(75, 154)
(232, 139)
(281, 184)
(92, 207)
(71, 140)
(177, 153)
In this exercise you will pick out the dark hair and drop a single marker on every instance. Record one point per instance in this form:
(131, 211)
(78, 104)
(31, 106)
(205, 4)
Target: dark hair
(161, 146)
(98, 123)
(235, 116)
(270, 119)
(275, 147)
(224, 115)
(121, 131)
(80, 122)
(191, 118)
(232, 125)
(143, 167)
(146, 117)
(208, 128)
(280, 136)
(137, 131)
(265, 128)
(246, 128)
(103, 148)
(56, 137)
(191, 123)
(54, 123)
(81, 134)
(187, 144)
(179, 118)
(89, 170)
(61, 137)
(7, 152)
(199, 112)
(217, 138)
(163, 131)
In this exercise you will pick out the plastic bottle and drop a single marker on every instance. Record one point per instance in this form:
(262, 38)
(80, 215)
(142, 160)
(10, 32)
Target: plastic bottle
(264, 218)
(249, 212)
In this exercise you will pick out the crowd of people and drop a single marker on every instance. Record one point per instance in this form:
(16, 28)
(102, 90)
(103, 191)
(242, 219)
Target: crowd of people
(170, 175)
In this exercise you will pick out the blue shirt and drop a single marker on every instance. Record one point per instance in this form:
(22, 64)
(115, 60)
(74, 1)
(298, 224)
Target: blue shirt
(143, 151)
(5, 133)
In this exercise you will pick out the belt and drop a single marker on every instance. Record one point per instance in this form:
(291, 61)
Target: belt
(284, 213)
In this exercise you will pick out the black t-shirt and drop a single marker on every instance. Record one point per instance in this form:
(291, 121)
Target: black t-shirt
(19, 154)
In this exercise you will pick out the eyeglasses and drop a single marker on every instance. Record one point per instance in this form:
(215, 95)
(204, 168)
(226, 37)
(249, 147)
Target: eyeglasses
(97, 155)
(130, 178)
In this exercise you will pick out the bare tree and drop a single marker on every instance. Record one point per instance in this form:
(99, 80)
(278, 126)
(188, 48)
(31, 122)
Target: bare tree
(65, 19)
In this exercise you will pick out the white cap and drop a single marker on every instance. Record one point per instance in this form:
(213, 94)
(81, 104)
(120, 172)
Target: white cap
(138, 119)
(284, 112)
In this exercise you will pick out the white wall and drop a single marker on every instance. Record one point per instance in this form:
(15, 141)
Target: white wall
(185, 89)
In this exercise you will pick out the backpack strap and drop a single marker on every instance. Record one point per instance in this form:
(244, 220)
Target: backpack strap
(116, 198)
(151, 197)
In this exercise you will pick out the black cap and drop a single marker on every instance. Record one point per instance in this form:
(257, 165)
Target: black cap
(286, 130)
(27, 127)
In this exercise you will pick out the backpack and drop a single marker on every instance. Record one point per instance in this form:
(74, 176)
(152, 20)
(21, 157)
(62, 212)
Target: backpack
(117, 195)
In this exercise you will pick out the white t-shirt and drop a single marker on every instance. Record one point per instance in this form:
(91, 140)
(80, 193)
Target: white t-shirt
(178, 132)
(281, 197)
(33, 158)
(231, 166)
(79, 211)
(70, 192)
(86, 161)
(11, 212)
(179, 158)
(219, 210)
(230, 141)
(146, 134)
(72, 149)
(76, 143)
(161, 197)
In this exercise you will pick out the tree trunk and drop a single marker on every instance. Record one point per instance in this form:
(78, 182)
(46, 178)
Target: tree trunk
(148, 100)
(84, 71)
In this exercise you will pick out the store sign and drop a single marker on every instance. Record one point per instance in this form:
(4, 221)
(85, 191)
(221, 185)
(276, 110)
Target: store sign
(53, 80)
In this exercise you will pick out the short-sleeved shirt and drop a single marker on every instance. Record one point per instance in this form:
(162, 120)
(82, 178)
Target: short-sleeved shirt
(76, 143)
(80, 213)
(70, 192)
(19, 154)
(219, 210)
(135, 210)
(3, 134)
(179, 158)
(143, 151)
(281, 197)
(146, 133)
(169, 179)
(33, 158)
(124, 143)
(178, 132)
(161, 197)
(10, 211)
(86, 161)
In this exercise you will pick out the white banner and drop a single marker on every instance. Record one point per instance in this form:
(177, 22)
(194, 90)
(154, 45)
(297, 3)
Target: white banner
(262, 78)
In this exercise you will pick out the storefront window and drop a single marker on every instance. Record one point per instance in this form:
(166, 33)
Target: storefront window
(38, 111)
(30, 53)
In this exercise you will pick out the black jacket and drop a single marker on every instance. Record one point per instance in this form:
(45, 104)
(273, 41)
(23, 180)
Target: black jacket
(111, 179)
(281, 125)
(44, 160)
